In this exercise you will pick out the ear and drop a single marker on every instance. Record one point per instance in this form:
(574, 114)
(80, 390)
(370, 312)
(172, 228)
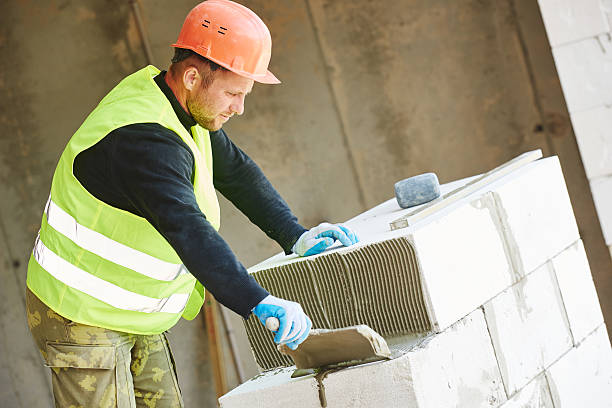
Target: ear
(191, 77)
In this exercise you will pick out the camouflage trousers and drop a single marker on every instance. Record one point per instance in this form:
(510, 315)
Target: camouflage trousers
(92, 367)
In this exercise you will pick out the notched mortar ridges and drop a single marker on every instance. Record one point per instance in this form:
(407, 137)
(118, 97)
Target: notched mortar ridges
(378, 285)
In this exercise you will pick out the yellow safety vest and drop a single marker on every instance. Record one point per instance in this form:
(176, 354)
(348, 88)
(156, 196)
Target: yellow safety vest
(99, 265)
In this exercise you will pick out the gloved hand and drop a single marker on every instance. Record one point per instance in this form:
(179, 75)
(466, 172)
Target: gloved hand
(321, 237)
(294, 324)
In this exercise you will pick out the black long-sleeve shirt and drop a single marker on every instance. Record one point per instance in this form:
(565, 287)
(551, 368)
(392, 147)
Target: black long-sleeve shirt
(147, 169)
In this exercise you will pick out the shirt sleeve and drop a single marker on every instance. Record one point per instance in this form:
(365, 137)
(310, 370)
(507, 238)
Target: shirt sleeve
(241, 181)
(151, 171)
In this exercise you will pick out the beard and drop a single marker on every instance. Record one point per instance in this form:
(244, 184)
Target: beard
(202, 115)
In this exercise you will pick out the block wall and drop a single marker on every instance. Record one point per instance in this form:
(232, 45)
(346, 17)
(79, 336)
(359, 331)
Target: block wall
(531, 333)
(580, 34)
(531, 336)
(539, 343)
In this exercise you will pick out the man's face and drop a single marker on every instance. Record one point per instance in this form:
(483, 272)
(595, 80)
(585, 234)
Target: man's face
(211, 107)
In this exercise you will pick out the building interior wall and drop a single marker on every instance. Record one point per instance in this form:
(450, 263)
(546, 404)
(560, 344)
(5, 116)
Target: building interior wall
(372, 92)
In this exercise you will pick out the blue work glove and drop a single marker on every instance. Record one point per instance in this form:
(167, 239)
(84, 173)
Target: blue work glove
(294, 324)
(321, 237)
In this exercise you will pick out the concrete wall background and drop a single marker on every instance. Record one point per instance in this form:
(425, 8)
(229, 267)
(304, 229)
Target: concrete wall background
(372, 92)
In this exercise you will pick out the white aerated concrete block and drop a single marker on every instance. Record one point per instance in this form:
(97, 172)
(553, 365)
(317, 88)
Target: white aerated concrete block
(571, 20)
(578, 291)
(535, 394)
(536, 212)
(274, 388)
(583, 377)
(593, 129)
(585, 69)
(474, 266)
(606, 6)
(528, 327)
(382, 384)
(602, 196)
(456, 368)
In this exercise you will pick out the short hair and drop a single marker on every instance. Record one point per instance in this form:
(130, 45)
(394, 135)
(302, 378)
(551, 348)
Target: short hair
(181, 54)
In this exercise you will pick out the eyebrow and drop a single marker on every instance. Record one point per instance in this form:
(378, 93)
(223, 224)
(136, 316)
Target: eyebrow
(240, 92)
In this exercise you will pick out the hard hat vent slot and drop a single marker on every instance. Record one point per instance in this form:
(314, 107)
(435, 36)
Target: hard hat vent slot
(222, 32)
(206, 23)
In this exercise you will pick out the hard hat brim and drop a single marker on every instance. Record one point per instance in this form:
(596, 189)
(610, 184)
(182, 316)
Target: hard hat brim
(269, 78)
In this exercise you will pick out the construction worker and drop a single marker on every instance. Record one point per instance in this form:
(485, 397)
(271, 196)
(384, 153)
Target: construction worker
(129, 233)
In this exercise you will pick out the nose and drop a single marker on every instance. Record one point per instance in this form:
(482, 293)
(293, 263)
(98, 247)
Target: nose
(237, 105)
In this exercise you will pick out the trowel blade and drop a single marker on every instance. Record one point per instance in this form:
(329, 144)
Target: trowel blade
(345, 346)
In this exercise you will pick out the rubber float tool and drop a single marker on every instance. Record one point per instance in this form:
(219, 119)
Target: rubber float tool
(417, 190)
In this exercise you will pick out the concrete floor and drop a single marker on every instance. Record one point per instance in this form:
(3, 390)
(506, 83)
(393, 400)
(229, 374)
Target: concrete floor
(372, 92)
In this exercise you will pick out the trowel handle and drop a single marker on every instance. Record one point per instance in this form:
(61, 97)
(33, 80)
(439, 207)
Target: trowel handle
(272, 323)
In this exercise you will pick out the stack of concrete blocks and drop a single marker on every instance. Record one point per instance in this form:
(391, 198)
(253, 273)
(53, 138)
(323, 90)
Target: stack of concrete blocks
(580, 34)
(514, 316)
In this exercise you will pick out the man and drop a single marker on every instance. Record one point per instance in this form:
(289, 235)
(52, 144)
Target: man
(129, 234)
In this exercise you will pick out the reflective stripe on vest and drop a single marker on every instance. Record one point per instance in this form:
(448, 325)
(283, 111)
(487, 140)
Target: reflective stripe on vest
(109, 249)
(115, 296)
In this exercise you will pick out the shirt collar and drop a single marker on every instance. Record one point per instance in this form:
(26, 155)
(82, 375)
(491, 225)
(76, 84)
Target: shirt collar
(186, 119)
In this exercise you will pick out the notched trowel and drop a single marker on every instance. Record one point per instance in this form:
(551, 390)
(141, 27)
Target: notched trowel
(333, 348)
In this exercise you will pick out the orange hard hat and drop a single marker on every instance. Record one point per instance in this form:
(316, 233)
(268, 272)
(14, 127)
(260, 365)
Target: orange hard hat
(230, 35)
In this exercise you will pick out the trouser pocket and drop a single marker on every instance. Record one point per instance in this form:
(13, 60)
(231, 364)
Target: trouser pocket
(83, 375)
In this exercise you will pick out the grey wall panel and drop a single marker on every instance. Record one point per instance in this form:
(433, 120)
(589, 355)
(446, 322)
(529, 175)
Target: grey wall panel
(427, 86)
(22, 381)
